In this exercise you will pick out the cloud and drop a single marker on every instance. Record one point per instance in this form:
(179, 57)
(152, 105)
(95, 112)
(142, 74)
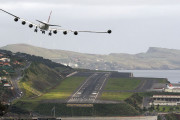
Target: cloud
(143, 23)
(99, 2)
(144, 8)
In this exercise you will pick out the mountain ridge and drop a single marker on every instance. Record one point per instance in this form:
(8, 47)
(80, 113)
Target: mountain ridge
(154, 58)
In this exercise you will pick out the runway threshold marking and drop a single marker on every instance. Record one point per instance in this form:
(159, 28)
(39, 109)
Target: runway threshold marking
(82, 86)
(79, 105)
(100, 87)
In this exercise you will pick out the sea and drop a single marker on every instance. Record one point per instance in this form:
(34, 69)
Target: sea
(173, 76)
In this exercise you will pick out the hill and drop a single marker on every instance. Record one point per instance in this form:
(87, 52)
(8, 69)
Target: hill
(155, 58)
(36, 74)
(40, 78)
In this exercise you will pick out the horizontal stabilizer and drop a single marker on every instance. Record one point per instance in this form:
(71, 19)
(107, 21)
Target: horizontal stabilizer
(47, 23)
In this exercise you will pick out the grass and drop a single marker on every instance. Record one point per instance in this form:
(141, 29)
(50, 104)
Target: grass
(64, 89)
(117, 84)
(118, 96)
(30, 90)
(163, 80)
(168, 108)
(40, 77)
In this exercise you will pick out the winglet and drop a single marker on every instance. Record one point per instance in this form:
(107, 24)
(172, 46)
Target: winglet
(49, 16)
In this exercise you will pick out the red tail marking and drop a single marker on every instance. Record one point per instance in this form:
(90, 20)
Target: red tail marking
(49, 17)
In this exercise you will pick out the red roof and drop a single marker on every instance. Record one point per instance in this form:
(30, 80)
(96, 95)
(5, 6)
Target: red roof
(6, 63)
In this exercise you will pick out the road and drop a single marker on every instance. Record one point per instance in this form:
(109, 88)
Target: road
(15, 79)
(90, 89)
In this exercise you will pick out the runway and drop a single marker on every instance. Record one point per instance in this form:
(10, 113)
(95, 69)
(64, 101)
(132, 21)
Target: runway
(90, 89)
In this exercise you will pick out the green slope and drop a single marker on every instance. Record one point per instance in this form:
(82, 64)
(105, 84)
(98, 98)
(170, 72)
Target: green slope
(64, 90)
(39, 78)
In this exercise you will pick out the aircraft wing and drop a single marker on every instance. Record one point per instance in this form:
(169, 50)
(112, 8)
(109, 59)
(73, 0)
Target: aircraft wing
(65, 31)
(95, 31)
(18, 18)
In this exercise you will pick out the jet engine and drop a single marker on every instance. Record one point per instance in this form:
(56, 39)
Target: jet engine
(55, 31)
(65, 32)
(23, 22)
(30, 25)
(109, 31)
(75, 33)
(16, 19)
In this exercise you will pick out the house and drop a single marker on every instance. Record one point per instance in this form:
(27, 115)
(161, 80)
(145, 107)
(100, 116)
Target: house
(4, 78)
(7, 85)
(4, 71)
(5, 59)
(1, 55)
(6, 64)
(17, 63)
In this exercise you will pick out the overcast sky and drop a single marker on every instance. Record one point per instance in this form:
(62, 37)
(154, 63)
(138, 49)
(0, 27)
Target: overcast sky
(136, 24)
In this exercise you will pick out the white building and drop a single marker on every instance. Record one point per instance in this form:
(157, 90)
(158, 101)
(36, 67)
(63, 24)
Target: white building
(7, 85)
(5, 59)
(170, 100)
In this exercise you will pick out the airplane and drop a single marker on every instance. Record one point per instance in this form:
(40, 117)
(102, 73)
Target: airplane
(46, 26)
(170, 86)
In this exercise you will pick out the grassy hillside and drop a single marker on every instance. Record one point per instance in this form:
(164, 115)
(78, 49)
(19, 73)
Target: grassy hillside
(154, 58)
(39, 78)
(63, 90)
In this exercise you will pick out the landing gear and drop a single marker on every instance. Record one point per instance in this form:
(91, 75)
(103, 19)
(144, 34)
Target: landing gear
(43, 32)
(36, 30)
(50, 33)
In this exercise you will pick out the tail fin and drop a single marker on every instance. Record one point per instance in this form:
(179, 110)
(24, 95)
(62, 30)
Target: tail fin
(49, 17)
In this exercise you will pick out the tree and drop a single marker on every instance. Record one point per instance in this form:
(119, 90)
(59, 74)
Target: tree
(3, 109)
(164, 109)
(152, 106)
(144, 109)
(177, 108)
(170, 109)
(157, 107)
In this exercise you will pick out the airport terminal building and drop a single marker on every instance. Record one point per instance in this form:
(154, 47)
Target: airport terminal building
(170, 100)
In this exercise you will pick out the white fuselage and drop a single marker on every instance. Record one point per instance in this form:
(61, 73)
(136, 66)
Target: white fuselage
(170, 86)
(44, 26)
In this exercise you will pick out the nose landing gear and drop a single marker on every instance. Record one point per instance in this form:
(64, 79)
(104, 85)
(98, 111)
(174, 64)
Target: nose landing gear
(50, 33)
(43, 32)
(36, 30)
